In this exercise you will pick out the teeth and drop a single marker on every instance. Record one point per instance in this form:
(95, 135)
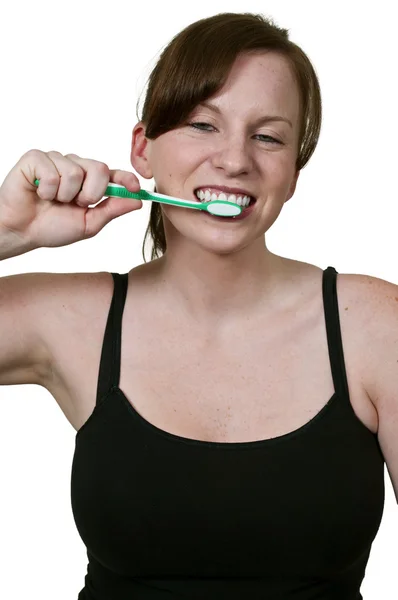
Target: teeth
(209, 197)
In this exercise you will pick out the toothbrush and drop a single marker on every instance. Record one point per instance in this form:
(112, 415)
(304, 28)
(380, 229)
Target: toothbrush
(220, 208)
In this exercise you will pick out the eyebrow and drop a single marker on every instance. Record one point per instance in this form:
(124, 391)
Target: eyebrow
(264, 119)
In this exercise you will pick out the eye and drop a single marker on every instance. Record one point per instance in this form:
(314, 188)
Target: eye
(196, 124)
(274, 141)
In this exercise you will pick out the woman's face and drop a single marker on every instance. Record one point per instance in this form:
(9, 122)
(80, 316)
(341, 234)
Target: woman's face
(235, 149)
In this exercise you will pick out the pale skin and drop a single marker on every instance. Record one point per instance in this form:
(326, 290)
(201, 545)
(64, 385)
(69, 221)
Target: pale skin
(219, 273)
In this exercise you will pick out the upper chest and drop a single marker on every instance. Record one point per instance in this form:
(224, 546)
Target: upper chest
(266, 377)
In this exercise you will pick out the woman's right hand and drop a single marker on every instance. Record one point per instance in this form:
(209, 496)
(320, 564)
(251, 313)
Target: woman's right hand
(57, 213)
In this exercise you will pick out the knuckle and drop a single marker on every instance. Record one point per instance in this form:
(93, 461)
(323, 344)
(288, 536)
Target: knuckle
(52, 179)
(102, 167)
(33, 153)
(75, 172)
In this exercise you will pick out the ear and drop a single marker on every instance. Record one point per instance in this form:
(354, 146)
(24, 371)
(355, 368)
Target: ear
(293, 186)
(140, 147)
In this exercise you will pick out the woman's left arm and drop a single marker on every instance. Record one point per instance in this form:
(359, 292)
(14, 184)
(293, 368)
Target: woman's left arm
(382, 368)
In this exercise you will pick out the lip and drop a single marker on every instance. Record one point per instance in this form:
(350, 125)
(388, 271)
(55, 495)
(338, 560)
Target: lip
(226, 189)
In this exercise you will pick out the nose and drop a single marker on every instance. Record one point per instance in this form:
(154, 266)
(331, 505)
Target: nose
(232, 155)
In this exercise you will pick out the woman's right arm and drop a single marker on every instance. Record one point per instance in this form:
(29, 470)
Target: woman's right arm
(56, 213)
(23, 353)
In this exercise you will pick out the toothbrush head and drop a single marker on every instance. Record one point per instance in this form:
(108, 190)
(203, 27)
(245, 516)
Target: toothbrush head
(222, 208)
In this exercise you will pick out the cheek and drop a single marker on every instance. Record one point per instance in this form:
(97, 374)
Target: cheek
(281, 172)
(172, 164)
(181, 158)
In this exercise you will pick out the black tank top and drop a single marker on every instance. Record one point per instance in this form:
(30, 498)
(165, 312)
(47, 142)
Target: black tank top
(166, 517)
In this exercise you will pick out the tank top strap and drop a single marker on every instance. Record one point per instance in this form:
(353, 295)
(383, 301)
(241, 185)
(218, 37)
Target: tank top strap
(333, 331)
(109, 370)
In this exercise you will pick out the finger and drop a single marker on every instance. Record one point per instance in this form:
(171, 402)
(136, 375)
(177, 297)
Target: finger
(98, 176)
(71, 176)
(125, 178)
(96, 179)
(35, 164)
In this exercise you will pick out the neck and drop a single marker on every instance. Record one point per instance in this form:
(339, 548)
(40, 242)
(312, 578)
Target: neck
(217, 291)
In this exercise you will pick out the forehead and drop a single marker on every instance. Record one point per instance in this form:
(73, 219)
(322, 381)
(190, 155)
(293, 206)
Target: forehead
(268, 79)
(268, 68)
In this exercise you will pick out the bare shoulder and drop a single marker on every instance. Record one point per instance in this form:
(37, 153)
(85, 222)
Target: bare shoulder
(369, 287)
(70, 293)
(375, 304)
(74, 298)
(375, 299)
(63, 303)
(368, 312)
(74, 292)
(68, 306)
(34, 306)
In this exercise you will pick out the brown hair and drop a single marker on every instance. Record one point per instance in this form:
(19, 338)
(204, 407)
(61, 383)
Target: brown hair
(196, 64)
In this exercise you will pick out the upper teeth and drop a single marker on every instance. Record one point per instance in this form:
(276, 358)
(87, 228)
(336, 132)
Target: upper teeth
(210, 196)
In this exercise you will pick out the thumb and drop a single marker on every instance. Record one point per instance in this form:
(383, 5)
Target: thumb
(107, 210)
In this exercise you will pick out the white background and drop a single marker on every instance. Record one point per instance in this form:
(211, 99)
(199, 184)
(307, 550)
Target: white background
(71, 76)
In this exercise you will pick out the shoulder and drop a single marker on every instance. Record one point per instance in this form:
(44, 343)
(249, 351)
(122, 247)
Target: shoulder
(76, 298)
(63, 292)
(377, 302)
(70, 303)
(76, 302)
(370, 287)
(376, 298)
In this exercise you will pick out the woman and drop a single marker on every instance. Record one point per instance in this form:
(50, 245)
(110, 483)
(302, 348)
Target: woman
(231, 450)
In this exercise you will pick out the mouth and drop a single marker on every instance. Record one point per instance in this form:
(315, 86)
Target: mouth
(252, 199)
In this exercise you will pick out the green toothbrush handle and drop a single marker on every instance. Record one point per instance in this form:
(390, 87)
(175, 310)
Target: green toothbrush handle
(144, 195)
(122, 192)
(163, 199)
